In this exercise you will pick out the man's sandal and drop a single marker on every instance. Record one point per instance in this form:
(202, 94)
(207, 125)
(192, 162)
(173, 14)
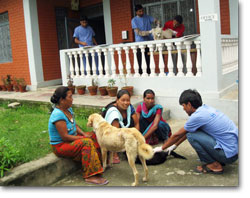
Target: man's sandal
(205, 169)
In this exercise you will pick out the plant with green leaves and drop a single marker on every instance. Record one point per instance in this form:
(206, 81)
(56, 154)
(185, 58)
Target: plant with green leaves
(9, 156)
(111, 83)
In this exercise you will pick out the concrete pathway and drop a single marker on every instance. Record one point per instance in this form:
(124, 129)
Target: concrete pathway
(174, 172)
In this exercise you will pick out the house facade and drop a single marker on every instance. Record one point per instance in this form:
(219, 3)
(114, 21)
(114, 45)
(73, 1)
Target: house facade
(37, 44)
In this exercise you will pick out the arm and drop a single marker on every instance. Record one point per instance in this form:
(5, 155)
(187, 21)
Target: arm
(154, 126)
(136, 121)
(177, 138)
(142, 33)
(63, 132)
(180, 31)
(94, 41)
(80, 42)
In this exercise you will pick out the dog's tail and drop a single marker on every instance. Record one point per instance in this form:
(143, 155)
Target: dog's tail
(146, 151)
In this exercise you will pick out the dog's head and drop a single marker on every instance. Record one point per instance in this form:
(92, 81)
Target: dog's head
(94, 119)
(157, 33)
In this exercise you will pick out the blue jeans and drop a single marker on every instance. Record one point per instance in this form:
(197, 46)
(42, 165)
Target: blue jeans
(204, 146)
(90, 63)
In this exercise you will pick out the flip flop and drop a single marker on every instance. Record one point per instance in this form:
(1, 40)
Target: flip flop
(103, 183)
(205, 169)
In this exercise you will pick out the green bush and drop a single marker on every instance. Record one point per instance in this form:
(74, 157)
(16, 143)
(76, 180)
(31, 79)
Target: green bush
(9, 156)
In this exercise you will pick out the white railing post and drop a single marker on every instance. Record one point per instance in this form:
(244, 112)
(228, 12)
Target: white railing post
(170, 60)
(71, 67)
(80, 52)
(143, 61)
(100, 67)
(93, 62)
(189, 62)
(161, 62)
(88, 69)
(152, 60)
(136, 65)
(113, 66)
(179, 60)
(106, 65)
(128, 65)
(198, 59)
(120, 65)
(76, 64)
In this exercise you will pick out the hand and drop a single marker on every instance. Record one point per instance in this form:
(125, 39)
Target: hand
(150, 31)
(87, 134)
(157, 149)
(174, 32)
(170, 149)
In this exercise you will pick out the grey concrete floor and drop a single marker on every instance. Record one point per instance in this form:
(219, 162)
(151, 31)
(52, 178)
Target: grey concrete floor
(174, 172)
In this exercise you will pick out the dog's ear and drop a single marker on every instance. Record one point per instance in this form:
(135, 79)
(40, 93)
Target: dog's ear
(90, 121)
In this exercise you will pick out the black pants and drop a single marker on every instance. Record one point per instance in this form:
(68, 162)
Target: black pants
(147, 57)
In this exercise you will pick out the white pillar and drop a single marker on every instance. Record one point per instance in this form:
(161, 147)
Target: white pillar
(143, 61)
(152, 60)
(170, 60)
(161, 62)
(120, 65)
(136, 66)
(198, 59)
(113, 66)
(189, 62)
(106, 67)
(211, 44)
(128, 65)
(179, 60)
(100, 67)
(76, 64)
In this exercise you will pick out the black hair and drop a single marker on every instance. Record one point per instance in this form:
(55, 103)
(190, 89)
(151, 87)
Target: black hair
(138, 7)
(60, 92)
(83, 18)
(178, 18)
(148, 91)
(191, 96)
(118, 96)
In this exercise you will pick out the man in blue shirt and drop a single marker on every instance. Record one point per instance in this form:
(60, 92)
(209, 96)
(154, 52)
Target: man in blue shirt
(141, 24)
(210, 132)
(84, 36)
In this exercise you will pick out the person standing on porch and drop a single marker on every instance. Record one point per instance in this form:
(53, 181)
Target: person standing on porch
(210, 132)
(141, 24)
(84, 35)
(176, 25)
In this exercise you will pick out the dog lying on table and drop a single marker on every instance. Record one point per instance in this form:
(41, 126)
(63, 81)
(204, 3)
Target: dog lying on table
(115, 139)
(159, 34)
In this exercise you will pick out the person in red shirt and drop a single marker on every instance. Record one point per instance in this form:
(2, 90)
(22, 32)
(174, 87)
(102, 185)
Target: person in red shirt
(175, 25)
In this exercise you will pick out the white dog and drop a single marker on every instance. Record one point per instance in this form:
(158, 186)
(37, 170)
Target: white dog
(115, 139)
(159, 34)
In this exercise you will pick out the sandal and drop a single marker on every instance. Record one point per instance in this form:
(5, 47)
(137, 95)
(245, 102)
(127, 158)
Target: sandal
(205, 169)
(98, 183)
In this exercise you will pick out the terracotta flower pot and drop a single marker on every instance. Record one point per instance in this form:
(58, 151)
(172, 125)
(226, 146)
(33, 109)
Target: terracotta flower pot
(129, 89)
(72, 88)
(3, 88)
(22, 88)
(16, 88)
(81, 90)
(103, 91)
(112, 91)
(10, 87)
(92, 90)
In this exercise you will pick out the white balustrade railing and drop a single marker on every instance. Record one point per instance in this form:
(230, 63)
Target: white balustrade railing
(82, 61)
(229, 54)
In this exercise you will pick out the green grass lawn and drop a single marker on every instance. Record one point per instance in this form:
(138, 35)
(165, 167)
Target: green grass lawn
(24, 131)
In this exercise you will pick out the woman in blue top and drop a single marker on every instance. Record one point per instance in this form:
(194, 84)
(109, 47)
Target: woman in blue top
(68, 140)
(121, 114)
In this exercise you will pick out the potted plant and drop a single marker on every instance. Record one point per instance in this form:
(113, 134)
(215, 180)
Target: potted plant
(3, 86)
(15, 83)
(93, 88)
(128, 88)
(81, 89)
(112, 90)
(103, 90)
(70, 84)
(22, 85)
(8, 83)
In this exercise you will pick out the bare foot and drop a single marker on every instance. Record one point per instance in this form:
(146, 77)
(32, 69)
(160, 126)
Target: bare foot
(97, 180)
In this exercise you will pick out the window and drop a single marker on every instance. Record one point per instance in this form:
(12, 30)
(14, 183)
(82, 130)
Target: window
(5, 46)
(165, 10)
